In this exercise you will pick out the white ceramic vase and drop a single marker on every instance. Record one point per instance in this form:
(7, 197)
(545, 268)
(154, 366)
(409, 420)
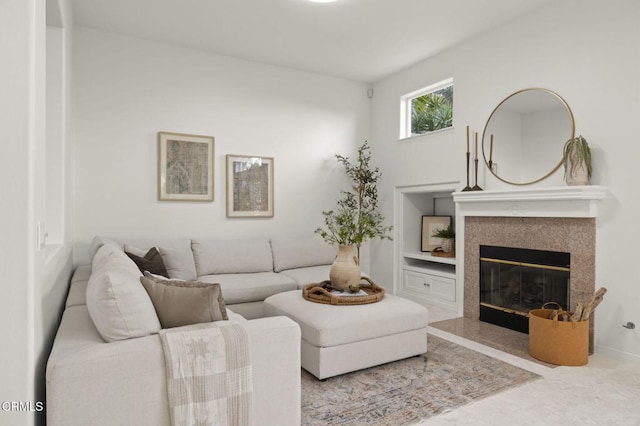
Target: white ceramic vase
(448, 245)
(575, 172)
(345, 270)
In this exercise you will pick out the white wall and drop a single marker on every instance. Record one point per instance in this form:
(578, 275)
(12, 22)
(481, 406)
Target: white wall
(54, 172)
(586, 52)
(128, 89)
(34, 281)
(17, 36)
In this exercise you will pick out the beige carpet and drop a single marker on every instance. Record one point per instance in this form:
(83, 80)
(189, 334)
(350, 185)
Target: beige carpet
(404, 392)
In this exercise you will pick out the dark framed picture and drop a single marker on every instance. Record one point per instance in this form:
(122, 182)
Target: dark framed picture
(249, 186)
(185, 169)
(431, 224)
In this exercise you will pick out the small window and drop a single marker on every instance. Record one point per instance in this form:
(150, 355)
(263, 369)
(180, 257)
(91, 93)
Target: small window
(427, 110)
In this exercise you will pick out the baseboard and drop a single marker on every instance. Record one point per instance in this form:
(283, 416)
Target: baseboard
(617, 354)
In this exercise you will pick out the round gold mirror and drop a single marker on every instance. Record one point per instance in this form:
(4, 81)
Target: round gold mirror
(524, 136)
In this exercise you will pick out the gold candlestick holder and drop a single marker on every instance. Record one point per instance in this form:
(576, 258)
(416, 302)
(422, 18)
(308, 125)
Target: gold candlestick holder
(476, 187)
(468, 188)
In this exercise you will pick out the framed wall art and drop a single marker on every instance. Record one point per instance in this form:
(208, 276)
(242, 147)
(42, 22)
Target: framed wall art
(249, 186)
(429, 225)
(185, 170)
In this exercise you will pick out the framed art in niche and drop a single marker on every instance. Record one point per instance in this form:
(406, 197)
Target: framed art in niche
(431, 224)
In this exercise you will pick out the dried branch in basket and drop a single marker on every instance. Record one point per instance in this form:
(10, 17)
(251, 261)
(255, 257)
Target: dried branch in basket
(591, 305)
(578, 312)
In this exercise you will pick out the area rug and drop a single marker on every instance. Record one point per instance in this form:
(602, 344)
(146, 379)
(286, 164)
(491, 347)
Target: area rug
(406, 391)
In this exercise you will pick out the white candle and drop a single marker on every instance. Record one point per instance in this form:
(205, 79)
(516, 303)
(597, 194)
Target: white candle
(476, 145)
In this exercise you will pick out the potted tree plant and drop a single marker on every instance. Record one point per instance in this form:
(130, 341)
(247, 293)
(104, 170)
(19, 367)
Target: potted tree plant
(576, 158)
(448, 238)
(355, 220)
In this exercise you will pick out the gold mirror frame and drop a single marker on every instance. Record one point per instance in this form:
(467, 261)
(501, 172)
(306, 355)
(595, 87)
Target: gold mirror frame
(485, 142)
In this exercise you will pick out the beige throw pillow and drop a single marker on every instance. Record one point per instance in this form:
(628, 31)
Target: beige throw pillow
(179, 303)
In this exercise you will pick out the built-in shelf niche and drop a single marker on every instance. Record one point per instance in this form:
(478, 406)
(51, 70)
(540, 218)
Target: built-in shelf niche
(417, 204)
(411, 265)
(426, 256)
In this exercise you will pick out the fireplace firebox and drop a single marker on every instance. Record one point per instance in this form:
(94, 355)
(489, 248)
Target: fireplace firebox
(514, 280)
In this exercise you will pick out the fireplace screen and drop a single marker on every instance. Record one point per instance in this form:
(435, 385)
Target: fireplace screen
(513, 281)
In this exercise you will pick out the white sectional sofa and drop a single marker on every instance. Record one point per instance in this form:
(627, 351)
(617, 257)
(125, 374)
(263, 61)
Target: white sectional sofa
(90, 381)
(248, 270)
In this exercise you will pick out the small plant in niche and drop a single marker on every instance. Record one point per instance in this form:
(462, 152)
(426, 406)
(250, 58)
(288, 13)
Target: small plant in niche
(447, 235)
(447, 232)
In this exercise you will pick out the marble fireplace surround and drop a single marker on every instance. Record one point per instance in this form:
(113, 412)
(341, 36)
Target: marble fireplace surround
(556, 219)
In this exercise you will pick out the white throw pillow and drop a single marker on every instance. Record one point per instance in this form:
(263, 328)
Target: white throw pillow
(117, 302)
(178, 259)
(98, 242)
(128, 248)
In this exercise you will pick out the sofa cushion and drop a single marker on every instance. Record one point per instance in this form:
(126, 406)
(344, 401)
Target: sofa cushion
(179, 303)
(150, 261)
(178, 259)
(118, 304)
(232, 256)
(174, 251)
(309, 275)
(299, 252)
(254, 287)
(78, 287)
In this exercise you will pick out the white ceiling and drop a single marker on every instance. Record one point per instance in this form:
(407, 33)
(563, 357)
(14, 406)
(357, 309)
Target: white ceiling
(362, 40)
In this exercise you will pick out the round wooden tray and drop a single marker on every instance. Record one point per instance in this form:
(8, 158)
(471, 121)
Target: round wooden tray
(439, 253)
(319, 294)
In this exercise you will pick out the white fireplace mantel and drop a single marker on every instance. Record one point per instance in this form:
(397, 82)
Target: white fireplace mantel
(567, 201)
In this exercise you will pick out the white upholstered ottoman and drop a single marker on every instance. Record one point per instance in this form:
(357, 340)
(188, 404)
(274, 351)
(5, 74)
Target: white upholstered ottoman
(338, 339)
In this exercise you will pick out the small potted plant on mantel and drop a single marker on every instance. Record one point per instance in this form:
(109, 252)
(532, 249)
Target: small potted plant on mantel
(355, 220)
(577, 161)
(448, 237)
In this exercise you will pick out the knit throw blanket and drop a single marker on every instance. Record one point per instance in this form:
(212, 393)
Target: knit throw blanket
(209, 378)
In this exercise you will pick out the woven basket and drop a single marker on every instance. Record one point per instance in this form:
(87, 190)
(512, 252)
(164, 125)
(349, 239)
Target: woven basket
(318, 294)
(558, 342)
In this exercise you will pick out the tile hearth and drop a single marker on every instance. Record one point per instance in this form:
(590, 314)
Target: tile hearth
(500, 338)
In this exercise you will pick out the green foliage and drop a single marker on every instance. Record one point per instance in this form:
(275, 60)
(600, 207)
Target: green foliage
(444, 232)
(433, 111)
(356, 219)
(577, 150)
